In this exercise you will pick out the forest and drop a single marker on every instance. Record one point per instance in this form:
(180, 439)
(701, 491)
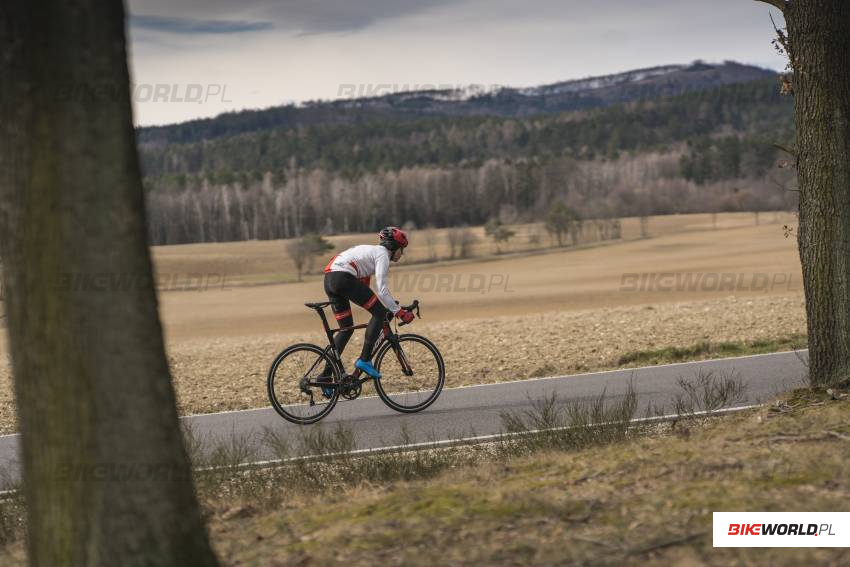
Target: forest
(710, 151)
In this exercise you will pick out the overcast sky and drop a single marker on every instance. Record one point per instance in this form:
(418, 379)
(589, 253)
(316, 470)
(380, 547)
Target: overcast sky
(261, 53)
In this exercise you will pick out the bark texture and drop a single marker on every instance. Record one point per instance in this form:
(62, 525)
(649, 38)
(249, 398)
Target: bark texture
(819, 45)
(107, 479)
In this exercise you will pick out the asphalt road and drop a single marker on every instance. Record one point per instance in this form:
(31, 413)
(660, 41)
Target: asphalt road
(475, 411)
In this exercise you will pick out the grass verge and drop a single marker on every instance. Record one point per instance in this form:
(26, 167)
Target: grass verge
(637, 500)
(592, 492)
(12, 511)
(703, 350)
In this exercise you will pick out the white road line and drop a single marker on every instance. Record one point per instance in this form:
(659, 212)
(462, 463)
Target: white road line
(656, 366)
(442, 443)
(468, 440)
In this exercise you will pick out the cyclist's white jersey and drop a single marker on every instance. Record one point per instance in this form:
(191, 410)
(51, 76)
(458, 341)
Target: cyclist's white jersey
(365, 261)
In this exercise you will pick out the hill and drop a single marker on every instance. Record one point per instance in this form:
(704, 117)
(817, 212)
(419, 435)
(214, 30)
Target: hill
(373, 102)
(686, 139)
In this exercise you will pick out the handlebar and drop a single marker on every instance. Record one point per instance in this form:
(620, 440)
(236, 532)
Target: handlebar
(414, 307)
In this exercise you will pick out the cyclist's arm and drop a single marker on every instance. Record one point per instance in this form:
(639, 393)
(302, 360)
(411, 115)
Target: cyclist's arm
(382, 268)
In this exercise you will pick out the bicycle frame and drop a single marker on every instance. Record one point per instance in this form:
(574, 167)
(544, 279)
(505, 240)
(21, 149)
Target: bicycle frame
(386, 335)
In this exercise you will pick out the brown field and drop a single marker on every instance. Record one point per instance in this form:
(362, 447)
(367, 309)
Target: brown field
(552, 311)
(556, 280)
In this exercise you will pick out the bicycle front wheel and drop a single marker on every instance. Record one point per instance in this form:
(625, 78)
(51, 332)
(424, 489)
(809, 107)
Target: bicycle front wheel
(293, 384)
(412, 373)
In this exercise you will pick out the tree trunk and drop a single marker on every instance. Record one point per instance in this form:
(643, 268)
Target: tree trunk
(819, 38)
(106, 477)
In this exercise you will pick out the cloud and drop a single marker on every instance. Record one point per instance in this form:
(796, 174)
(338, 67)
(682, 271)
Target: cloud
(328, 16)
(299, 16)
(196, 26)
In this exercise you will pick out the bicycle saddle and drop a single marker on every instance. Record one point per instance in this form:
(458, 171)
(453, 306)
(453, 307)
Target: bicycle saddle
(320, 305)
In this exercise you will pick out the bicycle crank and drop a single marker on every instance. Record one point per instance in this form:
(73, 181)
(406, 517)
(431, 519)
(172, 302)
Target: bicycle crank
(350, 388)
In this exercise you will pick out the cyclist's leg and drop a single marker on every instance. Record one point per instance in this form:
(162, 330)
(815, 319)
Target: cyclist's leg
(362, 295)
(351, 288)
(341, 307)
(379, 315)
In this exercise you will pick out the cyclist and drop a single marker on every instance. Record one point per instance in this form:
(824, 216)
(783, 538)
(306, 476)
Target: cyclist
(347, 278)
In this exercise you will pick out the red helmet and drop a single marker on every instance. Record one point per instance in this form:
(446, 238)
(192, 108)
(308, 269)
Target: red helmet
(393, 238)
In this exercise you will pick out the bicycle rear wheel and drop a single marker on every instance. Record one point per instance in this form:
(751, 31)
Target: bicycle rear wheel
(293, 388)
(412, 374)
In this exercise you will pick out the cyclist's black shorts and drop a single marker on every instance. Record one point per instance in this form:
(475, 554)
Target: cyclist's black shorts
(342, 288)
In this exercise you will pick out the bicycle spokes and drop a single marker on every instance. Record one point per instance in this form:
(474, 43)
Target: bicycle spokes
(302, 384)
(412, 375)
(305, 381)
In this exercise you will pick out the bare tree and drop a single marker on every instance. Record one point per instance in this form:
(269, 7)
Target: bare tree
(498, 232)
(430, 236)
(575, 229)
(556, 222)
(304, 201)
(644, 206)
(304, 250)
(107, 480)
(817, 43)
(461, 241)
(466, 242)
(453, 237)
(616, 229)
(563, 221)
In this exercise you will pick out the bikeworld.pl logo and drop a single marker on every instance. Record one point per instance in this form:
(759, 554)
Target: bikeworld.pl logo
(450, 283)
(142, 92)
(781, 529)
(133, 281)
(708, 281)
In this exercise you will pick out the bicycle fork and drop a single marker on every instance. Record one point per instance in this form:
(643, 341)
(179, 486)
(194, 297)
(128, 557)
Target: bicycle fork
(395, 344)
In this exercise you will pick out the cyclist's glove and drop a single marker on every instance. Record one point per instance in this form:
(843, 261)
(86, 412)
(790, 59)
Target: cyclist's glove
(405, 315)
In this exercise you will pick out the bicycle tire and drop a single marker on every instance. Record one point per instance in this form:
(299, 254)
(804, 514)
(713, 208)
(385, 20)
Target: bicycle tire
(284, 408)
(386, 382)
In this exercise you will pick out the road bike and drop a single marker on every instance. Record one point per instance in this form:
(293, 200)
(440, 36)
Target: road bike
(412, 373)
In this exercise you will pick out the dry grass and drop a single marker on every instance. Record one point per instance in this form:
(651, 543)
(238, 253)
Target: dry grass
(631, 500)
(602, 497)
(12, 510)
(644, 501)
(707, 349)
